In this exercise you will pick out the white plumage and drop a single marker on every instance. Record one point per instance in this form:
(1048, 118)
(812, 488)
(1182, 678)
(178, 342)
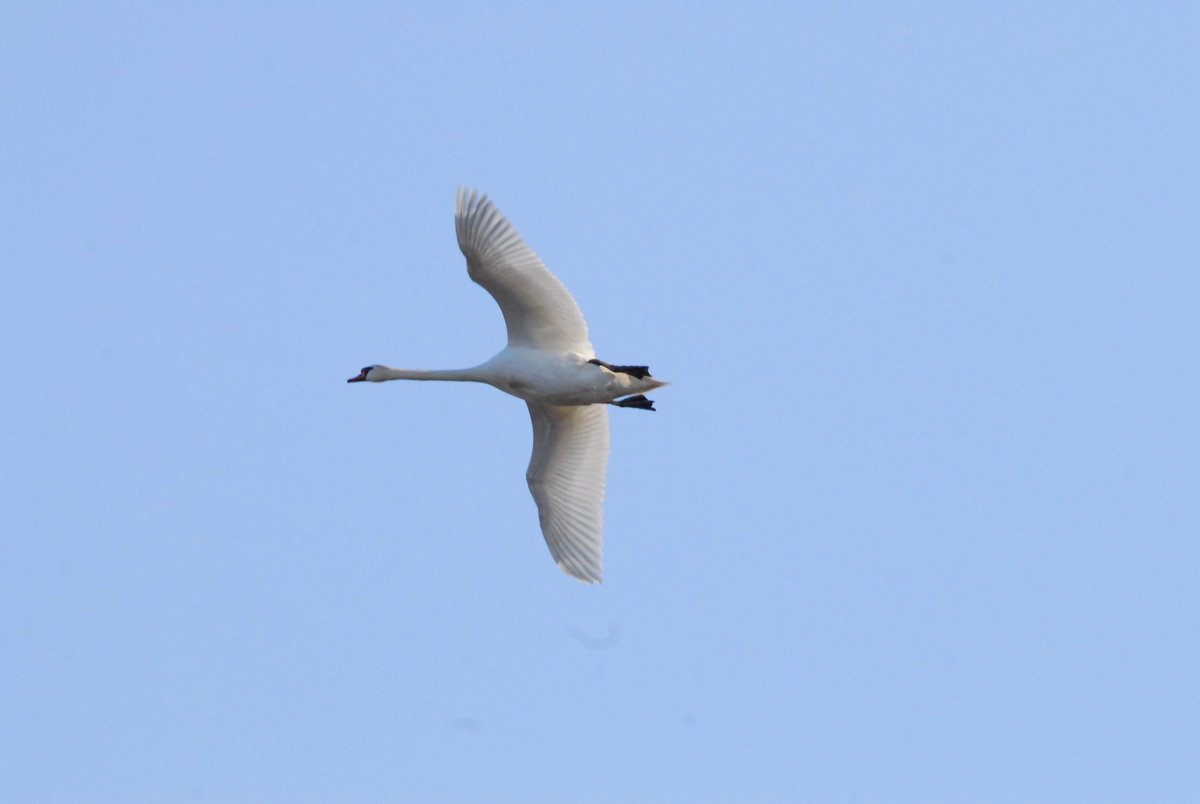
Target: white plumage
(566, 479)
(549, 363)
(539, 311)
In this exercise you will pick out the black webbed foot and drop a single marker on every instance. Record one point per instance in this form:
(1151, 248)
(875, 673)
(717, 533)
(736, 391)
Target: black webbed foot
(640, 372)
(640, 402)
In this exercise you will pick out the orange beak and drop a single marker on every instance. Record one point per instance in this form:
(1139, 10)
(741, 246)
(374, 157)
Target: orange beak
(362, 376)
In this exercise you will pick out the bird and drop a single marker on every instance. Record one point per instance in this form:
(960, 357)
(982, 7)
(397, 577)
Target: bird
(550, 363)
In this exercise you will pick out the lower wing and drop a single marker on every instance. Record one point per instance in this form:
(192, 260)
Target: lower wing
(566, 479)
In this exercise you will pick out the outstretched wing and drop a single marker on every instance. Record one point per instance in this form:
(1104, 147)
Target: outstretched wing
(538, 310)
(566, 479)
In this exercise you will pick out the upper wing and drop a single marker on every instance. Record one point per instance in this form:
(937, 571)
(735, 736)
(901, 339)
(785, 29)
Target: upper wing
(566, 479)
(538, 310)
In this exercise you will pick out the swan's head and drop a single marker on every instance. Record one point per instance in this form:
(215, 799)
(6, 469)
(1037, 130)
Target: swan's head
(364, 375)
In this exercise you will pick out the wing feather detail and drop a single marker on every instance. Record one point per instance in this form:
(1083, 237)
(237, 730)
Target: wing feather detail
(566, 479)
(539, 311)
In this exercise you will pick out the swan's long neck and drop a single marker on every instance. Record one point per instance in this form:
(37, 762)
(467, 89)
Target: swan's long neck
(383, 373)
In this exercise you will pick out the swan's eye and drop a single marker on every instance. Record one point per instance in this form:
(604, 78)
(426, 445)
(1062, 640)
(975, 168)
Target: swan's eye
(367, 369)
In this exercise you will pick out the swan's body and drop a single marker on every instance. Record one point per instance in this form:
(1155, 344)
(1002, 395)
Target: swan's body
(549, 363)
(536, 375)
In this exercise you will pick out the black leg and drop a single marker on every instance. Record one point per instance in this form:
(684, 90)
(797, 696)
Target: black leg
(640, 372)
(640, 402)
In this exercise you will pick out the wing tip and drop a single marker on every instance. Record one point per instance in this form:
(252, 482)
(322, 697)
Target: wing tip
(463, 195)
(581, 574)
(468, 201)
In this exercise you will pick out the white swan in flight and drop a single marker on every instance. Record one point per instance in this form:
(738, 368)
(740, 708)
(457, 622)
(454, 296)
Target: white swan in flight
(549, 363)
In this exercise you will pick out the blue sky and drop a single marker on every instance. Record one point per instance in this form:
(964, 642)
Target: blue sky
(916, 522)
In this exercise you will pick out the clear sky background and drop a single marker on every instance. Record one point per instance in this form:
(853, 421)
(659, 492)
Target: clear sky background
(917, 520)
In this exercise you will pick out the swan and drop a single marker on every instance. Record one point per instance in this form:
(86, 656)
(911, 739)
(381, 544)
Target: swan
(550, 363)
